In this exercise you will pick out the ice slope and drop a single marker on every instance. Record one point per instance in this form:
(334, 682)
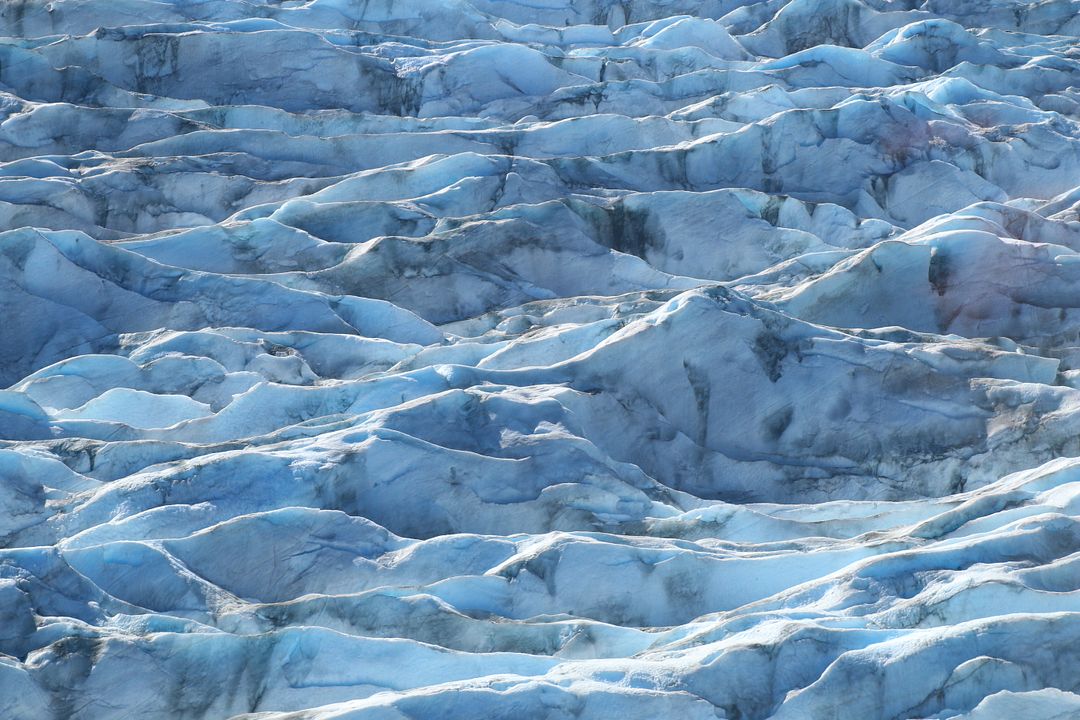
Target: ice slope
(540, 359)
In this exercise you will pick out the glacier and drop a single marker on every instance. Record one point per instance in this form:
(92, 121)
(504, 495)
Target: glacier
(512, 359)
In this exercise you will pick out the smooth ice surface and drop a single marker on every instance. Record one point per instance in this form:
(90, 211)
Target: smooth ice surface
(513, 359)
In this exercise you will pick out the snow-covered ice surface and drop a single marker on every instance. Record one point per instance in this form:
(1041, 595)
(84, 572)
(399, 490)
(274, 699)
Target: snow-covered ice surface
(513, 359)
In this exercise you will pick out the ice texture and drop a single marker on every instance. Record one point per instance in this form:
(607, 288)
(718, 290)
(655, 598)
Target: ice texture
(514, 359)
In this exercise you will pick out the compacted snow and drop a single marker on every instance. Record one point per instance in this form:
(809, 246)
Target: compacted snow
(484, 359)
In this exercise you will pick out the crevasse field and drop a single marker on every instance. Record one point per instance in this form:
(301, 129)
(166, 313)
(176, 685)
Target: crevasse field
(528, 359)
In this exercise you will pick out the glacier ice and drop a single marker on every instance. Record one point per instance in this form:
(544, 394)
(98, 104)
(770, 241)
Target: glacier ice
(540, 359)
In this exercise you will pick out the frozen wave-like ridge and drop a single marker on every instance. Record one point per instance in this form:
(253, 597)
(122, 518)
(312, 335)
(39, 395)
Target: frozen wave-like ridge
(503, 359)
